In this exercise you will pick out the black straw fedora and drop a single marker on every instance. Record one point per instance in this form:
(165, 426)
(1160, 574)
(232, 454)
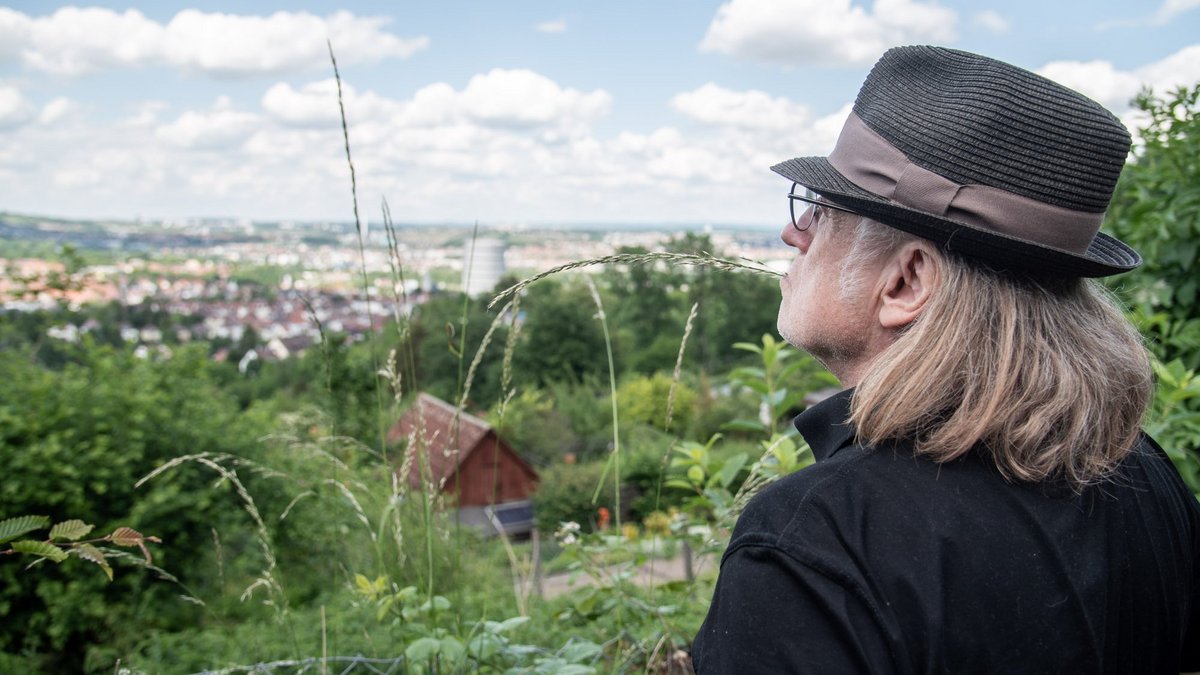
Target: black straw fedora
(985, 159)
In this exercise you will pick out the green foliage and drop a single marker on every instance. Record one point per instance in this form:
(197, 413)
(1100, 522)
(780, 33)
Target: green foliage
(1156, 209)
(561, 338)
(722, 483)
(1174, 419)
(779, 364)
(535, 427)
(433, 642)
(445, 339)
(733, 307)
(633, 622)
(73, 442)
(565, 494)
(546, 424)
(644, 400)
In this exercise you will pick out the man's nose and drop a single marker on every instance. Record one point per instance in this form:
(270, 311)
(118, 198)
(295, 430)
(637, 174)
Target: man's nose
(795, 238)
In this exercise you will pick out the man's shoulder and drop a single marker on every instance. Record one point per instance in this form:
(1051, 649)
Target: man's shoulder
(820, 497)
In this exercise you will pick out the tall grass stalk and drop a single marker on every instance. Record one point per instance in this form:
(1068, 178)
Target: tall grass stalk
(267, 578)
(678, 372)
(362, 256)
(395, 263)
(424, 469)
(522, 578)
(403, 324)
(483, 345)
(510, 346)
(675, 377)
(612, 388)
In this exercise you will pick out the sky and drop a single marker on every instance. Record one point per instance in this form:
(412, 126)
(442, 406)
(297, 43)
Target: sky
(536, 112)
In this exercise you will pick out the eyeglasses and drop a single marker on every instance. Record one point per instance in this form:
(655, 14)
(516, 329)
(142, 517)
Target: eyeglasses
(809, 215)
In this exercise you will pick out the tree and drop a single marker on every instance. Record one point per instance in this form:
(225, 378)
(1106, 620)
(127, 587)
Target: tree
(561, 338)
(734, 307)
(1156, 209)
(73, 442)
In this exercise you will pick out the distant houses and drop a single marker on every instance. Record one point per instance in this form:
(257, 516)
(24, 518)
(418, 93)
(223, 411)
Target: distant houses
(467, 461)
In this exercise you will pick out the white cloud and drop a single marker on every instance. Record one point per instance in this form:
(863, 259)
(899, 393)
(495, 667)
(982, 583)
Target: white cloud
(991, 21)
(824, 32)
(1165, 13)
(1179, 69)
(75, 41)
(219, 127)
(525, 98)
(227, 44)
(554, 26)
(57, 110)
(1173, 8)
(15, 109)
(147, 114)
(712, 104)
(1114, 88)
(508, 145)
(316, 104)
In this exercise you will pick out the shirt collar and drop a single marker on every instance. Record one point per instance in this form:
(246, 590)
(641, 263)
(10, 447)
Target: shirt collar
(826, 425)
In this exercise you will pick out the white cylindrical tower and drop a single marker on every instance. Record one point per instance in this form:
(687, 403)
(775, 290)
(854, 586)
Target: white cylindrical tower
(483, 265)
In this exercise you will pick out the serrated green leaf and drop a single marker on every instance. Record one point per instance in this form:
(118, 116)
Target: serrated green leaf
(126, 536)
(40, 548)
(14, 527)
(70, 530)
(93, 555)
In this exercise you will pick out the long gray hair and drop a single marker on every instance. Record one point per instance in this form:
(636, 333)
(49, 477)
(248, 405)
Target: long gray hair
(1046, 376)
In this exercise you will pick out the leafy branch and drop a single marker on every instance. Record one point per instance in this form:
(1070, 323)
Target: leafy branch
(66, 539)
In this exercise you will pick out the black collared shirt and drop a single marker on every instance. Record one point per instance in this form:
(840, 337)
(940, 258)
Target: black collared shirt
(876, 561)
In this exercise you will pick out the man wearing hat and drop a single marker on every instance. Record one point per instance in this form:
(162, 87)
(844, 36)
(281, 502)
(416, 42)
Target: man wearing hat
(983, 498)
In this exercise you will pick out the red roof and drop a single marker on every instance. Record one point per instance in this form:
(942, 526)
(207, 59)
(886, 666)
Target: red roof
(450, 436)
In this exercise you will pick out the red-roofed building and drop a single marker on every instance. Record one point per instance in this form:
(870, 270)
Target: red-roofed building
(470, 463)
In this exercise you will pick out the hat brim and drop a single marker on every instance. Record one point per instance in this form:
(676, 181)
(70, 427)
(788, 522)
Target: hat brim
(1105, 256)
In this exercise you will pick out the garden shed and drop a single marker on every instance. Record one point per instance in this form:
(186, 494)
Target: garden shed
(487, 480)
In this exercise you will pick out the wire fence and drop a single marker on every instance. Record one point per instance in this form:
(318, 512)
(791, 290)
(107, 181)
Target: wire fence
(343, 665)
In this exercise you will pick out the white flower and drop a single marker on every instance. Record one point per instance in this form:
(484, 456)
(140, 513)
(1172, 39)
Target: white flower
(567, 533)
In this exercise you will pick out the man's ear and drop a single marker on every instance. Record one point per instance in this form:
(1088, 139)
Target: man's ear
(910, 279)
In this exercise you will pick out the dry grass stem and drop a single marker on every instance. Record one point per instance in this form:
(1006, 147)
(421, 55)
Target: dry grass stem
(510, 346)
(612, 387)
(693, 259)
(483, 345)
(687, 332)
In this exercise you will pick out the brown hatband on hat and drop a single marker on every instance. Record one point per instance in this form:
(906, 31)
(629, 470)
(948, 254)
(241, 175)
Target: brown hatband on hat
(985, 159)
